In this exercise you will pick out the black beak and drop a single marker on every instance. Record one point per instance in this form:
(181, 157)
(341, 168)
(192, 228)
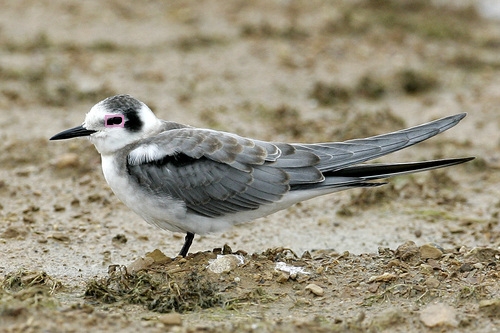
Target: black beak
(72, 133)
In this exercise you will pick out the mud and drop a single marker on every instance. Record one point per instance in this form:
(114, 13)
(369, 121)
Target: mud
(420, 253)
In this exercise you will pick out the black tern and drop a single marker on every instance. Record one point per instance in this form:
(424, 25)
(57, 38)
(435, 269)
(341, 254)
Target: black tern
(199, 181)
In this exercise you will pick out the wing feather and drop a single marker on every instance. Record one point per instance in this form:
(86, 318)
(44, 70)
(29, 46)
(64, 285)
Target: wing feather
(217, 173)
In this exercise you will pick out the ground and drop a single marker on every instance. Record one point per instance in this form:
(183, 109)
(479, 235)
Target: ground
(421, 253)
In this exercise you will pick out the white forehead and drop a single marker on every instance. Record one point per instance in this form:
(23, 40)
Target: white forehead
(95, 117)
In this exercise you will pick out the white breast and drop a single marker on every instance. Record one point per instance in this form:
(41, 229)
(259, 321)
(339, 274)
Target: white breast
(164, 213)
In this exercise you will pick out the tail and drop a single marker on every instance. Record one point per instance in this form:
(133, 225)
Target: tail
(339, 162)
(340, 155)
(361, 175)
(378, 171)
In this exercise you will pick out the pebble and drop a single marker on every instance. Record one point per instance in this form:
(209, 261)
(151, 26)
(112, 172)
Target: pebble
(382, 278)
(478, 265)
(439, 315)
(430, 251)
(432, 282)
(225, 263)
(315, 289)
(466, 267)
(483, 254)
(171, 319)
(491, 307)
(140, 264)
(158, 256)
(408, 253)
(426, 269)
(119, 239)
(283, 277)
(59, 236)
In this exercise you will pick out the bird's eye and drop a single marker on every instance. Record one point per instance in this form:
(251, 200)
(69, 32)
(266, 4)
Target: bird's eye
(113, 120)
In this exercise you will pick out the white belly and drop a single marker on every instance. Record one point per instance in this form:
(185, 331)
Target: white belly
(165, 214)
(170, 214)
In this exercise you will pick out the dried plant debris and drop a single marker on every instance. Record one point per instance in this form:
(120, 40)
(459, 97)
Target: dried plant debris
(158, 291)
(14, 282)
(187, 284)
(27, 289)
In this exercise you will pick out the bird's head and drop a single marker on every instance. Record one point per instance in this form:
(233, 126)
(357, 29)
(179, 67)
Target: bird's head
(114, 123)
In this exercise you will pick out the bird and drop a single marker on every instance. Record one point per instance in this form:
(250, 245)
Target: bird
(199, 181)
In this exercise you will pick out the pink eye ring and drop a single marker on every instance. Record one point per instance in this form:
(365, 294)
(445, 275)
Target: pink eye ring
(114, 120)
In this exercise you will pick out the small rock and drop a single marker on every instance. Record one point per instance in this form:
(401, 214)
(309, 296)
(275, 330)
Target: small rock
(59, 208)
(226, 249)
(94, 197)
(484, 254)
(374, 287)
(388, 319)
(158, 257)
(225, 263)
(408, 252)
(434, 264)
(292, 270)
(426, 269)
(315, 289)
(466, 267)
(439, 315)
(432, 282)
(69, 160)
(430, 251)
(491, 307)
(42, 240)
(283, 277)
(59, 236)
(382, 278)
(171, 319)
(478, 265)
(140, 264)
(119, 238)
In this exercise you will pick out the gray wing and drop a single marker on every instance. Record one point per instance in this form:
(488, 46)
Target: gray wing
(216, 173)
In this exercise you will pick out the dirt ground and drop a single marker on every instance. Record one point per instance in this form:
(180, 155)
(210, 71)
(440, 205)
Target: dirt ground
(419, 254)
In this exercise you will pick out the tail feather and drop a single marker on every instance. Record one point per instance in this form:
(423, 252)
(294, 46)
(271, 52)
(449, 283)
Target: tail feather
(361, 175)
(339, 155)
(379, 170)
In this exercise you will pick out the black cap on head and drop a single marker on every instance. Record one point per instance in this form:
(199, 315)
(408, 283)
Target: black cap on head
(129, 107)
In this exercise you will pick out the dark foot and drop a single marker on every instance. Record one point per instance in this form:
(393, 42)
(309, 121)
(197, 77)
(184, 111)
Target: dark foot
(188, 240)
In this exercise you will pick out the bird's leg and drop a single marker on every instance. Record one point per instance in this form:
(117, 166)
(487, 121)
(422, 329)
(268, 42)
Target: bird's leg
(188, 240)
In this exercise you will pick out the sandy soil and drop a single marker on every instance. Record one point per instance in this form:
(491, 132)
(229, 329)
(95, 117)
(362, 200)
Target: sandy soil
(285, 71)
